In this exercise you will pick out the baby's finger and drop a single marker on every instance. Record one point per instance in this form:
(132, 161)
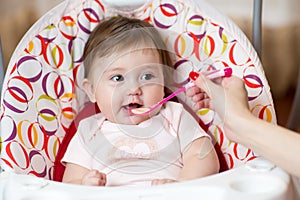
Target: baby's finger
(162, 181)
(101, 176)
(95, 177)
(155, 182)
(94, 181)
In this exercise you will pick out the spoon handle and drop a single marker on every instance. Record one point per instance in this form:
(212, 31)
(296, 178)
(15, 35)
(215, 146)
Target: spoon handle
(225, 72)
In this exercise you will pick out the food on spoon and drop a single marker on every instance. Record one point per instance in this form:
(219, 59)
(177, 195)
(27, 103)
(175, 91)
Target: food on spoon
(139, 110)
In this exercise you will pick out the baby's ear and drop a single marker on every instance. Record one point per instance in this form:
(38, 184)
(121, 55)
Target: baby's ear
(88, 87)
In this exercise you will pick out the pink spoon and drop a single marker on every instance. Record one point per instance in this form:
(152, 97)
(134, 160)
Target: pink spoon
(225, 72)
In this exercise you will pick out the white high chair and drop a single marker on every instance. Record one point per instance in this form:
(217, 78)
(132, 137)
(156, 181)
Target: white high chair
(41, 96)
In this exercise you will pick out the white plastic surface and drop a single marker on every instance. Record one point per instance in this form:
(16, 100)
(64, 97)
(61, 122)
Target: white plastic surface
(239, 183)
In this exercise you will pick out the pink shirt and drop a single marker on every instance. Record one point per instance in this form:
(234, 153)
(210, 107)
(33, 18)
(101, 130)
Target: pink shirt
(135, 154)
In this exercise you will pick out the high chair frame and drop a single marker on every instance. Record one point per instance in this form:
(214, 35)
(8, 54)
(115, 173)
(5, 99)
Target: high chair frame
(257, 25)
(1, 67)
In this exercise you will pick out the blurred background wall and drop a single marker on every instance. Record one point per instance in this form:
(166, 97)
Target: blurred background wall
(280, 48)
(16, 17)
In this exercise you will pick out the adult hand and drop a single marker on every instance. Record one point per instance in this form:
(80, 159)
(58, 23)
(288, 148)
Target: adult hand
(199, 97)
(228, 99)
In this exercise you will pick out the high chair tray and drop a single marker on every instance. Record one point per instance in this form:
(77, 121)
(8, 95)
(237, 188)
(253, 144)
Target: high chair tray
(259, 180)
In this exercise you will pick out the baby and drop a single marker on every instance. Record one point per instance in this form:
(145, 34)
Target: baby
(127, 66)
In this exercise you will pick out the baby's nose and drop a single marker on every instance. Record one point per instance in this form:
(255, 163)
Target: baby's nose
(135, 90)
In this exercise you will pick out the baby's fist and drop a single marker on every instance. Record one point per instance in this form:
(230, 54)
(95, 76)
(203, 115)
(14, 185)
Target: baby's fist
(95, 178)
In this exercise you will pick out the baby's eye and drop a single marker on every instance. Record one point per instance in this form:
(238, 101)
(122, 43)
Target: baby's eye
(147, 76)
(117, 78)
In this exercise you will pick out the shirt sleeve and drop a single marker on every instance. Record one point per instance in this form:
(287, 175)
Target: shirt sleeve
(76, 153)
(189, 129)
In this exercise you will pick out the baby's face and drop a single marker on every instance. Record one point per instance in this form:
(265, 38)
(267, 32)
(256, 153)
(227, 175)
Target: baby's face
(131, 80)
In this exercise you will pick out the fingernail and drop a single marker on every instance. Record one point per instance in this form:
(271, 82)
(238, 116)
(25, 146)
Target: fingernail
(194, 75)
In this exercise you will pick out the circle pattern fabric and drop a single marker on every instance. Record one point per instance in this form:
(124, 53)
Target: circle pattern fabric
(41, 92)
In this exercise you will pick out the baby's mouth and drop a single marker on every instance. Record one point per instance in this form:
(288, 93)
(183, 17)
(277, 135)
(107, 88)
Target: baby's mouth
(132, 106)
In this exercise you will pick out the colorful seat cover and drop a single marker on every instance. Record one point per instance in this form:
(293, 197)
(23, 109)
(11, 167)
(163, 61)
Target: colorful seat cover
(41, 93)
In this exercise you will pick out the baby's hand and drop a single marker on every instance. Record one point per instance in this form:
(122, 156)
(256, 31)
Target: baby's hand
(199, 97)
(162, 181)
(95, 178)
